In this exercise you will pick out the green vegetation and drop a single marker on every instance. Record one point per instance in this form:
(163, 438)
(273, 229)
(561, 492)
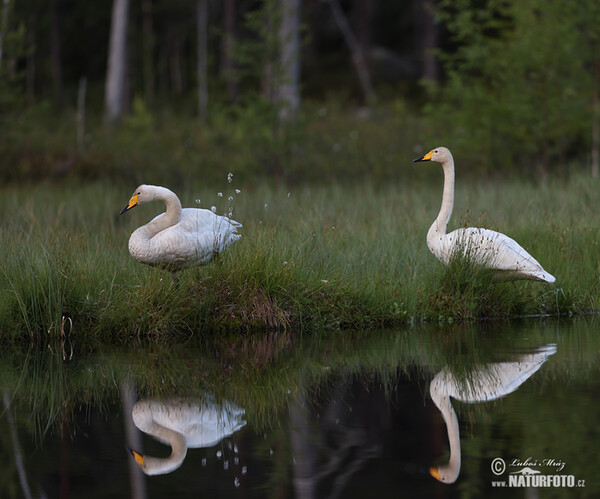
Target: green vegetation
(334, 213)
(311, 257)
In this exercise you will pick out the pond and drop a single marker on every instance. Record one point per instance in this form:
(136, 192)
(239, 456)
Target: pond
(502, 409)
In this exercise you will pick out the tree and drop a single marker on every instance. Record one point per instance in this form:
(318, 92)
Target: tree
(117, 56)
(202, 50)
(518, 84)
(227, 49)
(289, 36)
(358, 56)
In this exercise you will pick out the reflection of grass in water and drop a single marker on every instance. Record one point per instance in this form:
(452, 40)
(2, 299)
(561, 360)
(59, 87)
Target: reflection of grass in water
(320, 257)
(265, 373)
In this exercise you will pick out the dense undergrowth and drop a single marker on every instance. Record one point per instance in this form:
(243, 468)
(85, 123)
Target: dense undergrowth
(310, 258)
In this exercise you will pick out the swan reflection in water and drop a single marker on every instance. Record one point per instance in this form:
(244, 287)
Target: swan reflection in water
(182, 424)
(483, 383)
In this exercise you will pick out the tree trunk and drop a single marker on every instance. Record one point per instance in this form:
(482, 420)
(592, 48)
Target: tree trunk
(428, 40)
(117, 54)
(57, 79)
(3, 26)
(289, 39)
(228, 40)
(596, 120)
(148, 43)
(175, 67)
(30, 60)
(358, 57)
(202, 22)
(81, 114)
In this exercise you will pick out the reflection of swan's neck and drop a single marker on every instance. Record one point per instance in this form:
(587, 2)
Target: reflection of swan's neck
(158, 466)
(438, 228)
(449, 472)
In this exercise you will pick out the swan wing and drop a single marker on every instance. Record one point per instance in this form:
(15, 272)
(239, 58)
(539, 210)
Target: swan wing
(495, 380)
(197, 236)
(498, 251)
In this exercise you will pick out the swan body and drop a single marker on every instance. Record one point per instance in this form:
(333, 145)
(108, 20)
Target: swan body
(178, 238)
(486, 247)
(182, 424)
(484, 383)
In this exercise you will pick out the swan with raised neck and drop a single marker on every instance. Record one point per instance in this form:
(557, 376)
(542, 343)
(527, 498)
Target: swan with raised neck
(485, 247)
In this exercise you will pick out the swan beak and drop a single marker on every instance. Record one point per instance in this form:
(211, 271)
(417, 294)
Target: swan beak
(139, 458)
(427, 157)
(434, 473)
(132, 202)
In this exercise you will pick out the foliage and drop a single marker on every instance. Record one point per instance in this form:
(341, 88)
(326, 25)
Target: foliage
(519, 85)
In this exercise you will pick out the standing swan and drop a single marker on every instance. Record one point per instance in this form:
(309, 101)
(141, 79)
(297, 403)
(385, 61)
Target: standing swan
(482, 384)
(179, 237)
(487, 247)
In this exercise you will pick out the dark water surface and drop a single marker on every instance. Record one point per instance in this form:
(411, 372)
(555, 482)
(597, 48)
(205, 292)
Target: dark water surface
(499, 409)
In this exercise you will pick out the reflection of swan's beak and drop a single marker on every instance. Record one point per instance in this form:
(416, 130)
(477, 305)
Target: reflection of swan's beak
(139, 458)
(434, 473)
(132, 202)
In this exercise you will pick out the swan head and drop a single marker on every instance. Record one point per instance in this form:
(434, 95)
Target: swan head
(444, 474)
(139, 458)
(144, 194)
(439, 154)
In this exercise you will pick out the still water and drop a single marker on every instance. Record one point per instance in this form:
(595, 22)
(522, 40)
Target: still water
(497, 409)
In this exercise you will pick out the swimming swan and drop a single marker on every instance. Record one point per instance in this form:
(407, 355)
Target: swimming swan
(483, 383)
(179, 237)
(487, 247)
(183, 423)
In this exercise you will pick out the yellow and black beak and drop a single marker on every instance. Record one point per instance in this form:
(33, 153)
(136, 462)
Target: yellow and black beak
(132, 202)
(433, 471)
(139, 458)
(427, 157)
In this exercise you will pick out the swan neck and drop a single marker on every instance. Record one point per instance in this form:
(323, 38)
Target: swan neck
(155, 465)
(452, 469)
(171, 216)
(440, 224)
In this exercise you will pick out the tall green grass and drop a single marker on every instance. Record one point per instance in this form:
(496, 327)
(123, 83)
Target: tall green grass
(320, 256)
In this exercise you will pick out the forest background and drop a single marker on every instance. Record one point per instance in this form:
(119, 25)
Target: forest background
(295, 91)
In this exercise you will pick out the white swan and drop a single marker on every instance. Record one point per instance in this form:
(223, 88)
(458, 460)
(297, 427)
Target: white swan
(483, 383)
(183, 424)
(179, 237)
(487, 247)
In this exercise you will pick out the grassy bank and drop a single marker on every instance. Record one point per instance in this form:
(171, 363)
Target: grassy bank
(310, 257)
